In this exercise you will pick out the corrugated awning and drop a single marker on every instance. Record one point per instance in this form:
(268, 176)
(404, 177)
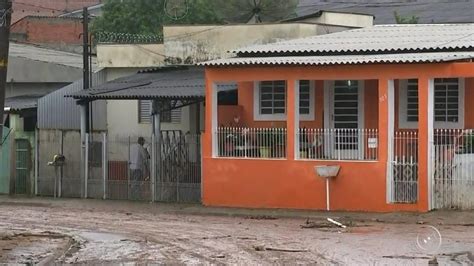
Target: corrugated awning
(344, 59)
(160, 83)
(21, 102)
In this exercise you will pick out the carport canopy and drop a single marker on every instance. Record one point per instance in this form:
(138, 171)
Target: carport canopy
(179, 84)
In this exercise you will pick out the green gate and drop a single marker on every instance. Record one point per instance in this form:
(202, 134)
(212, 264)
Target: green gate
(22, 166)
(5, 162)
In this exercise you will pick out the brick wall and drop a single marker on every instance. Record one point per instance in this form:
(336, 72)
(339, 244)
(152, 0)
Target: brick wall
(23, 8)
(44, 30)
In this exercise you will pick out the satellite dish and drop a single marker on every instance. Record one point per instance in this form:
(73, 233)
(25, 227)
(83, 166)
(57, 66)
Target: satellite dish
(255, 11)
(176, 9)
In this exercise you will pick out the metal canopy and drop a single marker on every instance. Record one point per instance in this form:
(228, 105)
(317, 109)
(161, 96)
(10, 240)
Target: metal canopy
(166, 83)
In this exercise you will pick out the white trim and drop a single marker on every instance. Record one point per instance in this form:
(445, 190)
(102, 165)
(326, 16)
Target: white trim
(430, 155)
(282, 117)
(296, 118)
(214, 93)
(402, 106)
(390, 136)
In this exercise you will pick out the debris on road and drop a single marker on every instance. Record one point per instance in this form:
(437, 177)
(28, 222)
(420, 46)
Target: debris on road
(336, 223)
(263, 248)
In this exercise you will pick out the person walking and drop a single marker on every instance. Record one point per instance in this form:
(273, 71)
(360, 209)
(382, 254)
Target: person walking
(138, 167)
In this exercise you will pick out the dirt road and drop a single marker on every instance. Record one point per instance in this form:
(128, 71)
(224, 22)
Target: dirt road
(87, 232)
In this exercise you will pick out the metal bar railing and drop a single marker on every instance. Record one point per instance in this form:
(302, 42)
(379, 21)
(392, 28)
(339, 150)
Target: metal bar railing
(338, 144)
(241, 142)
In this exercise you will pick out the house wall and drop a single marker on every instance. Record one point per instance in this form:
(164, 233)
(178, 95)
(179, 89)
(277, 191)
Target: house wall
(26, 70)
(47, 7)
(192, 44)
(131, 55)
(342, 19)
(54, 32)
(290, 183)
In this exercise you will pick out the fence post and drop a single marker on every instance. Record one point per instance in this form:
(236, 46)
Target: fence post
(36, 174)
(105, 164)
(86, 166)
(153, 168)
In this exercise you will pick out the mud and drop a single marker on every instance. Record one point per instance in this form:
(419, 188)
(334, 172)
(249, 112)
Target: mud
(92, 232)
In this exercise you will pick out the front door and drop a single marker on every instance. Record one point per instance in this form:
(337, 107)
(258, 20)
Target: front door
(345, 102)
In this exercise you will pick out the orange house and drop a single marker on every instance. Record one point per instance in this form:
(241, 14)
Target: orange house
(391, 105)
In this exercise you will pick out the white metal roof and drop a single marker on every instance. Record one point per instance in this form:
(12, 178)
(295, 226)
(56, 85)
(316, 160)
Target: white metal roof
(36, 53)
(344, 59)
(380, 38)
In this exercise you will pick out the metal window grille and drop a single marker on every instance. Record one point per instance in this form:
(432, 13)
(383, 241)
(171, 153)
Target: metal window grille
(305, 97)
(446, 100)
(272, 97)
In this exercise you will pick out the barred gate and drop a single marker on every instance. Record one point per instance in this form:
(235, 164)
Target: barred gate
(453, 170)
(404, 168)
(177, 168)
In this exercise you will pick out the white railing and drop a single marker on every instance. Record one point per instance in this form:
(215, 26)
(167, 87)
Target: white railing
(338, 144)
(404, 167)
(251, 142)
(453, 168)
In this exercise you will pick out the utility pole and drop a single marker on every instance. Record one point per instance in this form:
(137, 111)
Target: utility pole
(5, 21)
(85, 125)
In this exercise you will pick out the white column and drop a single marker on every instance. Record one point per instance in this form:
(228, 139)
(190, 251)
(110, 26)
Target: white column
(105, 165)
(214, 123)
(431, 155)
(391, 135)
(296, 119)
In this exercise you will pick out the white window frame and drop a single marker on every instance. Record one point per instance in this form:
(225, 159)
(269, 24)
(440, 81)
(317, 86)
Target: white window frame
(403, 103)
(282, 117)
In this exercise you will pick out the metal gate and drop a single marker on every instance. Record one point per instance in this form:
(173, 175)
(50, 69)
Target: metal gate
(453, 170)
(22, 166)
(404, 168)
(177, 168)
(5, 161)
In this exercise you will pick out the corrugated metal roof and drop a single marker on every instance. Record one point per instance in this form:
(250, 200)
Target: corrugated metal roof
(381, 38)
(57, 112)
(168, 82)
(48, 55)
(344, 59)
(22, 102)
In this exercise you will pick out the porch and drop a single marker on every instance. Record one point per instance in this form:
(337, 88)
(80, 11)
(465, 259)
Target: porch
(403, 140)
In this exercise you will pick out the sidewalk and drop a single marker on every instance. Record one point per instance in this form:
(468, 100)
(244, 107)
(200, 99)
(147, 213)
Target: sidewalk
(445, 217)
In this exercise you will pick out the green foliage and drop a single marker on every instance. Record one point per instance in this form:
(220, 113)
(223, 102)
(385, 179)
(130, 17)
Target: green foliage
(405, 19)
(148, 16)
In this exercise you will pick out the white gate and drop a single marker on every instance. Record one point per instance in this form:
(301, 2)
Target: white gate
(404, 168)
(453, 173)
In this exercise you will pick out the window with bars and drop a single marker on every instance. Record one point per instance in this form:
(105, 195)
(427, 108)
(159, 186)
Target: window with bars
(145, 109)
(448, 101)
(271, 100)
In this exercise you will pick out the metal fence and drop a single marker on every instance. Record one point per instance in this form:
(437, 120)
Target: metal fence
(338, 144)
(453, 168)
(169, 169)
(251, 142)
(404, 167)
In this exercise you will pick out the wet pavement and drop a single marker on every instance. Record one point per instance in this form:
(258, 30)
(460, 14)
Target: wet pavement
(47, 231)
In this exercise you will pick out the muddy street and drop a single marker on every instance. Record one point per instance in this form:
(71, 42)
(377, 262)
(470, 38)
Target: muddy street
(88, 232)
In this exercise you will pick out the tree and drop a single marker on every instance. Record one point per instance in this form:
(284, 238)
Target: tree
(149, 16)
(255, 11)
(405, 19)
